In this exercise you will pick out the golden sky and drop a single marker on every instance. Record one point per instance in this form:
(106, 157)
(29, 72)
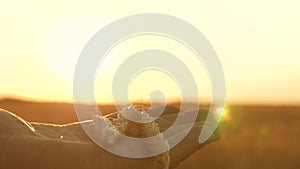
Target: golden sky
(257, 42)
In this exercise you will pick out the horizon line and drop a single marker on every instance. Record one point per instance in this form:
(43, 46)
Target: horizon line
(173, 101)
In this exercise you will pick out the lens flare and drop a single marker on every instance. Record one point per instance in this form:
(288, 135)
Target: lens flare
(224, 112)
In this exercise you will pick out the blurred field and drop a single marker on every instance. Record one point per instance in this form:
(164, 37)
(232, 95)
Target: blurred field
(252, 136)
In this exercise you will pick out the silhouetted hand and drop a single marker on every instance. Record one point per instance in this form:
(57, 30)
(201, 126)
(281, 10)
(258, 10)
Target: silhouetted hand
(35, 145)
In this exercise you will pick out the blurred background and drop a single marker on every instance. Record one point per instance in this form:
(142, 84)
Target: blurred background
(257, 43)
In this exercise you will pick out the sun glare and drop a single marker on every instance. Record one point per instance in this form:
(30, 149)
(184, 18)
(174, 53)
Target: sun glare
(63, 45)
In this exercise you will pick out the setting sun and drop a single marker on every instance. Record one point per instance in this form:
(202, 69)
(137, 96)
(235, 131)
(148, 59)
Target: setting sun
(63, 43)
